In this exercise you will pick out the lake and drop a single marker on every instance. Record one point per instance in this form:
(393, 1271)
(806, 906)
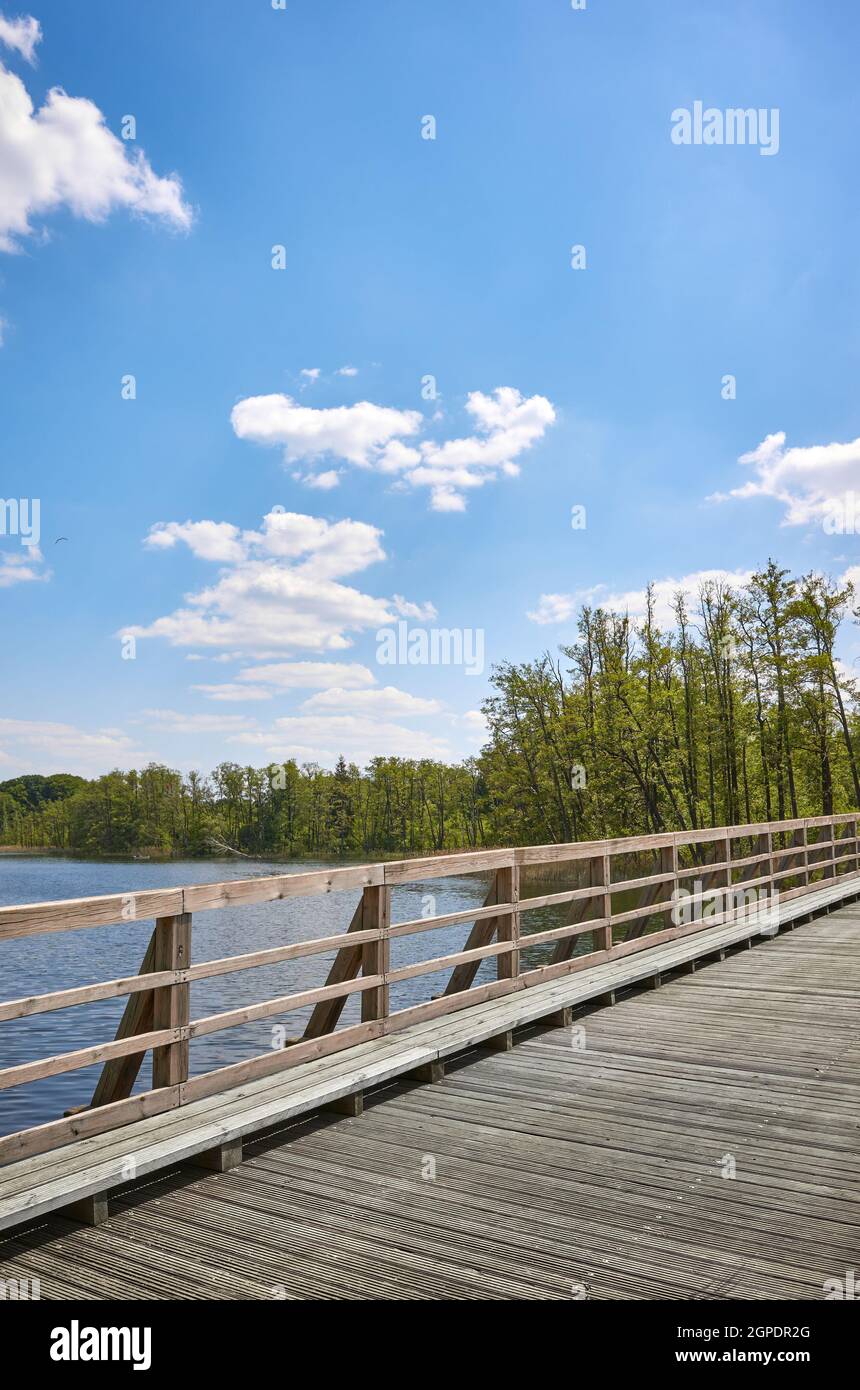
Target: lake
(60, 960)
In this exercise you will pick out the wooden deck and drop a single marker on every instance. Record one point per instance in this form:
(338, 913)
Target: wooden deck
(589, 1161)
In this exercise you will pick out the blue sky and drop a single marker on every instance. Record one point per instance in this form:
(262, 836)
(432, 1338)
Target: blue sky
(404, 258)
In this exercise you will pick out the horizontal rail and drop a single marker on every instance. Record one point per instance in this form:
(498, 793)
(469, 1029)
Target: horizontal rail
(283, 1004)
(538, 938)
(76, 913)
(157, 1016)
(449, 919)
(430, 967)
(85, 1057)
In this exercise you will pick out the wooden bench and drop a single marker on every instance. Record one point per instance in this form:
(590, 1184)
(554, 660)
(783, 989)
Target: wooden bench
(76, 1178)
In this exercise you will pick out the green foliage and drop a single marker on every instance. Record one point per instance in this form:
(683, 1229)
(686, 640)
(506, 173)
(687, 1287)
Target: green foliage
(395, 805)
(737, 713)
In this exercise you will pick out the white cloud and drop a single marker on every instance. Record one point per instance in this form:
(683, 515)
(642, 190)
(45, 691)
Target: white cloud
(327, 549)
(172, 722)
(21, 34)
(219, 657)
(474, 720)
(387, 703)
(396, 457)
(355, 433)
(310, 675)
(553, 608)
(323, 738)
(312, 373)
(347, 371)
(22, 566)
(805, 480)
(42, 746)
(63, 156)
(323, 481)
(445, 498)
(506, 424)
(278, 588)
(423, 612)
(209, 540)
(558, 608)
(233, 690)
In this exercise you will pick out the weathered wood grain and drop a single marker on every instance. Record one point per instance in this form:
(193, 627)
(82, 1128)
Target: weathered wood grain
(585, 1164)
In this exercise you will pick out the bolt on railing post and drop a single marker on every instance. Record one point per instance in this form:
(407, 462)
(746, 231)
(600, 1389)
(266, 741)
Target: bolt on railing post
(375, 955)
(171, 1004)
(508, 891)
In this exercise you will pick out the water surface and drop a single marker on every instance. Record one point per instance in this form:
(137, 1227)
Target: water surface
(60, 960)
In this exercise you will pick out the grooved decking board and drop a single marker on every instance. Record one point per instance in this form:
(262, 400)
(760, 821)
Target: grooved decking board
(556, 1165)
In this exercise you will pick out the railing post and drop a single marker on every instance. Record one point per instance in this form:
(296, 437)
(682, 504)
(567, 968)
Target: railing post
(601, 873)
(375, 955)
(805, 843)
(766, 843)
(853, 825)
(669, 865)
(171, 1003)
(508, 891)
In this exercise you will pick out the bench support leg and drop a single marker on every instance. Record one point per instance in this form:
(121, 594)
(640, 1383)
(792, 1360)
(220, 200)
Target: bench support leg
(91, 1211)
(352, 1105)
(221, 1159)
(562, 1018)
(429, 1071)
(500, 1042)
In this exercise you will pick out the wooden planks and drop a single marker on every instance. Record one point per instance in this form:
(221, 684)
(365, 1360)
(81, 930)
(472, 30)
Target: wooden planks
(412, 1038)
(550, 1171)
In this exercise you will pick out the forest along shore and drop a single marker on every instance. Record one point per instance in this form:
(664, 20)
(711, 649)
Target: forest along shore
(732, 711)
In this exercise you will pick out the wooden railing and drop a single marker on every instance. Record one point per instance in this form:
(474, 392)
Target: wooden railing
(683, 882)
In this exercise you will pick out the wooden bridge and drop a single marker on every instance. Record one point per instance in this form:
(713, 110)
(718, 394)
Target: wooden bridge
(591, 1136)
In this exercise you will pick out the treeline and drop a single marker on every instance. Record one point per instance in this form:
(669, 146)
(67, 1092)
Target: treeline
(392, 805)
(736, 711)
